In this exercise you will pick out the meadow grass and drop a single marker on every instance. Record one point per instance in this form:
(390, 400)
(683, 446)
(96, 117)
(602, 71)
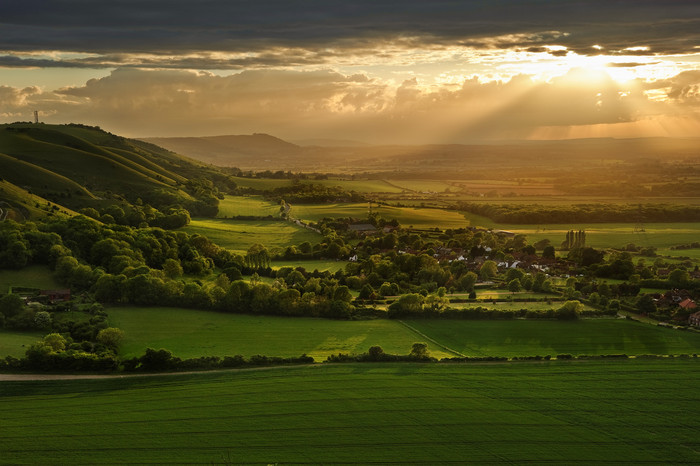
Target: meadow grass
(360, 186)
(603, 235)
(265, 184)
(232, 206)
(239, 235)
(637, 412)
(33, 276)
(535, 337)
(189, 333)
(407, 216)
(15, 343)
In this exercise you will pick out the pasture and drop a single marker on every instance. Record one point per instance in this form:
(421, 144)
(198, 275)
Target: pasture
(637, 412)
(407, 216)
(603, 235)
(15, 343)
(189, 333)
(360, 186)
(533, 337)
(232, 206)
(239, 235)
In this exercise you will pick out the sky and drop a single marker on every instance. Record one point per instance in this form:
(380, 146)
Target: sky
(378, 71)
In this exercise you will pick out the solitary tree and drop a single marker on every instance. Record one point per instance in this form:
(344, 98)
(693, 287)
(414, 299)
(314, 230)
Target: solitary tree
(419, 351)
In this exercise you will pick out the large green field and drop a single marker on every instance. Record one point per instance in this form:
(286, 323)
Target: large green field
(407, 216)
(634, 412)
(239, 235)
(533, 337)
(604, 235)
(189, 333)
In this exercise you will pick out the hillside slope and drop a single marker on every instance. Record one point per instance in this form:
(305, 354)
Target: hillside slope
(79, 166)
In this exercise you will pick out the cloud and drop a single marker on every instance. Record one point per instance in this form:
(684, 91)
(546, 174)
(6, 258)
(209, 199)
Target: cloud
(14, 101)
(187, 34)
(325, 103)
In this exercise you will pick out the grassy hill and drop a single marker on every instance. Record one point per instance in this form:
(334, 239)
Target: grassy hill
(77, 166)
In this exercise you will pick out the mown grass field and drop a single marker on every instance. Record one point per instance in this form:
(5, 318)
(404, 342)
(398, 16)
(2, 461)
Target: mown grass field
(232, 206)
(15, 343)
(635, 412)
(239, 235)
(532, 337)
(33, 276)
(189, 333)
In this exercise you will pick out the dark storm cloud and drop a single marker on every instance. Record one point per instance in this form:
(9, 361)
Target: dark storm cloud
(178, 27)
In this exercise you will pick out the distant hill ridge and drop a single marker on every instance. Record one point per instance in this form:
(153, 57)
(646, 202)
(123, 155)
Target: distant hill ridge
(228, 150)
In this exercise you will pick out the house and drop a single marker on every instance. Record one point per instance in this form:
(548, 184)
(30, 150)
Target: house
(694, 319)
(687, 304)
(56, 296)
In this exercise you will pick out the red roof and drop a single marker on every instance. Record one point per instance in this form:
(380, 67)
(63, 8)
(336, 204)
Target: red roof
(688, 304)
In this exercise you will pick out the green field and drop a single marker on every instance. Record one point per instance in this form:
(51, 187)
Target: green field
(15, 343)
(407, 216)
(265, 184)
(361, 186)
(33, 276)
(232, 206)
(189, 333)
(532, 337)
(604, 235)
(634, 412)
(239, 235)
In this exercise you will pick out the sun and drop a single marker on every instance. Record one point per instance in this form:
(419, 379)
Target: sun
(555, 61)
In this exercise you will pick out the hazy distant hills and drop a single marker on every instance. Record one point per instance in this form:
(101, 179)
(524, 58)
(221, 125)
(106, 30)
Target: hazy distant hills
(265, 152)
(50, 169)
(228, 151)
